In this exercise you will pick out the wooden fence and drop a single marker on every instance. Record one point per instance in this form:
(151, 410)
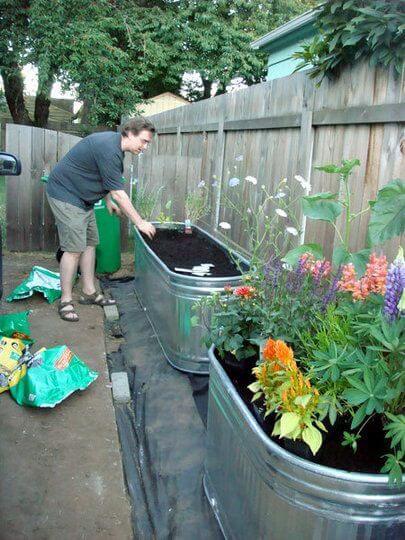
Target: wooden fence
(283, 128)
(30, 222)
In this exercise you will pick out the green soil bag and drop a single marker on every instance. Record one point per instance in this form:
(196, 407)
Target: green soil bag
(56, 374)
(16, 325)
(40, 280)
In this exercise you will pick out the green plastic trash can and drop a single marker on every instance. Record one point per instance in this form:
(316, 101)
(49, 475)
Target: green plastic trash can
(108, 252)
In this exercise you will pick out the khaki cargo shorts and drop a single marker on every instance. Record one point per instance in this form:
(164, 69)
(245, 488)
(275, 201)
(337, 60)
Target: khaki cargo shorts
(77, 228)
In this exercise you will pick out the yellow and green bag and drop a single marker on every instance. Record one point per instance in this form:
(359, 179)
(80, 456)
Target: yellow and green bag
(53, 375)
(11, 350)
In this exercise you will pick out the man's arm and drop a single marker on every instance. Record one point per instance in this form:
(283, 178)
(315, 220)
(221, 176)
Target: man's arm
(111, 206)
(126, 206)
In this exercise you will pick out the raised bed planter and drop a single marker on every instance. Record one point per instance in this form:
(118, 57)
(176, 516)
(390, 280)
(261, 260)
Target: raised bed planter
(259, 490)
(168, 296)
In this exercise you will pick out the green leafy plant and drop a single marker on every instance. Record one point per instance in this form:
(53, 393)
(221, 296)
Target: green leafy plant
(289, 395)
(234, 325)
(394, 466)
(387, 218)
(267, 227)
(166, 216)
(396, 430)
(146, 200)
(331, 363)
(352, 30)
(350, 439)
(197, 203)
(367, 391)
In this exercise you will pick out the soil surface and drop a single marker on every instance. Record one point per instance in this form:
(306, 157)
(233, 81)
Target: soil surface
(177, 249)
(370, 448)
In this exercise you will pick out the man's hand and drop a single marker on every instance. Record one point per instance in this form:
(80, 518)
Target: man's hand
(112, 207)
(121, 198)
(147, 228)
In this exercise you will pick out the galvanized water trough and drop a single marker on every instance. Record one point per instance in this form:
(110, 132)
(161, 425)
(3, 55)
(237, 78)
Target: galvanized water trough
(168, 298)
(259, 490)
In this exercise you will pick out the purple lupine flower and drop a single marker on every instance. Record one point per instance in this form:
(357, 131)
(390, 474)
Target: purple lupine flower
(395, 285)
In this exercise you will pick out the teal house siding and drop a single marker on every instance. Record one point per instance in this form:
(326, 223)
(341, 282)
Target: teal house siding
(282, 42)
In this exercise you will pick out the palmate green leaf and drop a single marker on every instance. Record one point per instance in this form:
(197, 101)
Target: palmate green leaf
(322, 206)
(359, 416)
(332, 169)
(394, 466)
(359, 260)
(293, 256)
(395, 430)
(354, 396)
(344, 169)
(387, 218)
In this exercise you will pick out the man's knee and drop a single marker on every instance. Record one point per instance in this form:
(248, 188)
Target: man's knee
(73, 255)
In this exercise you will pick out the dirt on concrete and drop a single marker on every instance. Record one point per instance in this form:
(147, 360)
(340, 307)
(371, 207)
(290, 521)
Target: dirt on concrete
(61, 469)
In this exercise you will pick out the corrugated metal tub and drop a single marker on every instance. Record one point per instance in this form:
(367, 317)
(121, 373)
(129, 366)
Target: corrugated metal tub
(168, 298)
(260, 491)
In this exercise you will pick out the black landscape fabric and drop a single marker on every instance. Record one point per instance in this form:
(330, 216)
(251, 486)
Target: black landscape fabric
(162, 432)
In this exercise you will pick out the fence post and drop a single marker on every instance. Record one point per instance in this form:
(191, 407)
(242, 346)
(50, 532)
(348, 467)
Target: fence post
(305, 153)
(220, 171)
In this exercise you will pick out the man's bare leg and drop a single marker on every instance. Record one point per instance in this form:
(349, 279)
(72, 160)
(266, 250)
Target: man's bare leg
(87, 267)
(68, 270)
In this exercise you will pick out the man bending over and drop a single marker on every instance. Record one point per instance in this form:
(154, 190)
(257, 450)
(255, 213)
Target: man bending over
(90, 171)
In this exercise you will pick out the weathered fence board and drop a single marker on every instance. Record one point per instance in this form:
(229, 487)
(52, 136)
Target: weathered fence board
(30, 223)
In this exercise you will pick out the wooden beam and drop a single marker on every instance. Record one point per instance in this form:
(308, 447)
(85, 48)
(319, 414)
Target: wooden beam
(267, 122)
(372, 114)
(172, 130)
(200, 128)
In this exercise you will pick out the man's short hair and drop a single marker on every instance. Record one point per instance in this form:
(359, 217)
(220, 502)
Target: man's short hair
(136, 125)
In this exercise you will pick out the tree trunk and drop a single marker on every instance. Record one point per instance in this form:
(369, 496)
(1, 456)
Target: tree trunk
(14, 92)
(207, 88)
(42, 102)
(83, 113)
(221, 89)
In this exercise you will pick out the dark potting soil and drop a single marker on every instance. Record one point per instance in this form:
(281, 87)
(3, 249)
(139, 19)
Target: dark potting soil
(370, 448)
(177, 249)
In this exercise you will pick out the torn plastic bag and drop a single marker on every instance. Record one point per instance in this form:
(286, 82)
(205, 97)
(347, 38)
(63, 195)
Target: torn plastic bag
(56, 374)
(40, 280)
(16, 325)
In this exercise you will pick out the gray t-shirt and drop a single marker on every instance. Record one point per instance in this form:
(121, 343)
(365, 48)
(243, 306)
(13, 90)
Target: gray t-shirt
(91, 169)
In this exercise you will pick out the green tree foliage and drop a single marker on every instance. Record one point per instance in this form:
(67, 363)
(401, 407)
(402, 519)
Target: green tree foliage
(118, 53)
(351, 30)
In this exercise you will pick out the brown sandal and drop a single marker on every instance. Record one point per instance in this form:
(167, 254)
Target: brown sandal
(63, 312)
(97, 299)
